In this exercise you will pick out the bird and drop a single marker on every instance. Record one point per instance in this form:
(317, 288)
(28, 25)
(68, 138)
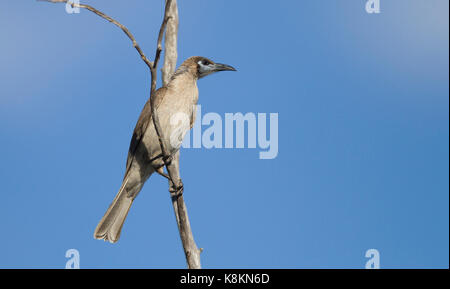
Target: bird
(173, 102)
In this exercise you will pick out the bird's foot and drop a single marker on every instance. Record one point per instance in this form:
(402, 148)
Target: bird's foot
(167, 159)
(177, 191)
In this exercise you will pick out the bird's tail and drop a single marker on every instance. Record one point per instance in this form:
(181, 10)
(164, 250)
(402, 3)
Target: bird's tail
(110, 225)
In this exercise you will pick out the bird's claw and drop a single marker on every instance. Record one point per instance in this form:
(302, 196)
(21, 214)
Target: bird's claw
(177, 191)
(167, 159)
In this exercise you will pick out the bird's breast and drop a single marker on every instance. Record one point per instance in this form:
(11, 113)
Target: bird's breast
(178, 110)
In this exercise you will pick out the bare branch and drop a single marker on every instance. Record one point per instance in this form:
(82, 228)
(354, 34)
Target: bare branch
(170, 44)
(191, 251)
(103, 15)
(153, 71)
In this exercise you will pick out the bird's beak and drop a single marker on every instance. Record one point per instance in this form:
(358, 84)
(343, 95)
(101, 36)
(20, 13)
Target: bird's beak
(223, 67)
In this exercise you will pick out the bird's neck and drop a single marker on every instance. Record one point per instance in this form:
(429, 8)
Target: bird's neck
(183, 77)
(184, 85)
(184, 72)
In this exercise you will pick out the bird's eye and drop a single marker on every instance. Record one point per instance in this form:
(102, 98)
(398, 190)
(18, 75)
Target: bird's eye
(206, 62)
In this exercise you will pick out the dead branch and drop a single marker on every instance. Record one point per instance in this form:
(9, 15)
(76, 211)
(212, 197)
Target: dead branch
(170, 44)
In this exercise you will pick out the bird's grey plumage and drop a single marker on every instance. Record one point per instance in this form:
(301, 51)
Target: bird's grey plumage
(172, 102)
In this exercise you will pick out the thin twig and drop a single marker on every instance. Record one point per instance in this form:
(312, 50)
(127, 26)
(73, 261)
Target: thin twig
(153, 71)
(115, 22)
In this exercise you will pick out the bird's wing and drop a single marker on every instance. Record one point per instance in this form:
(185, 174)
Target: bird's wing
(142, 124)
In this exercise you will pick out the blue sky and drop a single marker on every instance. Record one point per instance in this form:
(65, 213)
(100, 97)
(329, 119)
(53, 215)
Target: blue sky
(363, 156)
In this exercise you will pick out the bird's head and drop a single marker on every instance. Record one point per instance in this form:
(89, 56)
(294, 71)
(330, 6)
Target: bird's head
(202, 66)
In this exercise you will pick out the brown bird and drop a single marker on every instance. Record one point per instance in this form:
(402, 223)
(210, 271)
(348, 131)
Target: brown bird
(174, 103)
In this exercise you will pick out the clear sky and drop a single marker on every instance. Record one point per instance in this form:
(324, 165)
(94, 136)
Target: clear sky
(363, 111)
